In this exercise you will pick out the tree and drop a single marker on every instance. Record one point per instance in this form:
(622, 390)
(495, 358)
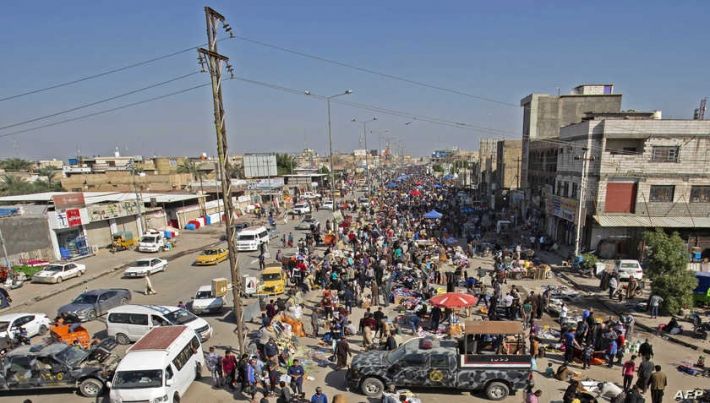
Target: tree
(284, 164)
(49, 173)
(589, 262)
(324, 170)
(667, 268)
(15, 165)
(437, 168)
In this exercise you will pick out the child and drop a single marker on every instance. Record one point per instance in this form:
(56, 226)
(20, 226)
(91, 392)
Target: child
(587, 355)
(549, 372)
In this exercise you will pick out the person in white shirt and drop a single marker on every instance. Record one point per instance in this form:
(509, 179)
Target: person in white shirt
(563, 314)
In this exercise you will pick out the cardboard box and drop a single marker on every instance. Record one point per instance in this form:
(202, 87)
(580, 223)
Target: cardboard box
(219, 287)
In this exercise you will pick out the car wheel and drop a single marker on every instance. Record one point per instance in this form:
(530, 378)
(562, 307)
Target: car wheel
(497, 391)
(91, 387)
(60, 279)
(81, 273)
(122, 339)
(176, 398)
(91, 315)
(372, 387)
(42, 330)
(198, 372)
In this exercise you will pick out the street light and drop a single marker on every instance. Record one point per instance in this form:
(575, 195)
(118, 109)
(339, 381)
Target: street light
(367, 152)
(330, 142)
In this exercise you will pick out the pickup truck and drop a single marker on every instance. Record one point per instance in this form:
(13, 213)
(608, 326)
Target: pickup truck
(151, 242)
(443, 364)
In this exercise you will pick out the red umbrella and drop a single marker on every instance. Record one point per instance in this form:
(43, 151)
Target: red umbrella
(454, 300)
(415, 193)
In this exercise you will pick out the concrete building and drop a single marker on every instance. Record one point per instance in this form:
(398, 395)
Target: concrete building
(543, 116)
(126, 181)
(641, 173)
(487, 161)
(508, 164)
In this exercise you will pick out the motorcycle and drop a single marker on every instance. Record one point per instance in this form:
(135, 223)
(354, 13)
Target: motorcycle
(700, 329)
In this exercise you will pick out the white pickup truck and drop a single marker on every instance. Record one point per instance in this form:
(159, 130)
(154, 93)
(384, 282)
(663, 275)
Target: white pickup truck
(151, 242)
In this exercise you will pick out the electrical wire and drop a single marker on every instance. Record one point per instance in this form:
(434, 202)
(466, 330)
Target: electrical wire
(377, 73)
(106, 73)
(104, 100)
(89, 115)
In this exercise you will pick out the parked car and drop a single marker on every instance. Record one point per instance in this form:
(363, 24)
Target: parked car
(628, 268)
(92, 304)
(327, 205)
(34, 324)
(128, 323)
(144, 267)
(310, 195)
(301, 208)
(58, 272)
(59, 366)
(212, 256)
(205, 301)
(306, 223)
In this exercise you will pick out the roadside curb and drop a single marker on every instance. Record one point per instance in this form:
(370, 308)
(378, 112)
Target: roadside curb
(85, 280)
(638, 324)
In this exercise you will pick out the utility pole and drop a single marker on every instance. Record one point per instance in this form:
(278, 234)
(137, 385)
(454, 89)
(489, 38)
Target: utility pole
(367, 152)
(580, 205)
(214, 62)
(139, 199)
(4, 252)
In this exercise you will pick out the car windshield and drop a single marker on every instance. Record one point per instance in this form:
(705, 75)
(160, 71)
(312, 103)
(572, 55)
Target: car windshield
(180, 317)
(72, 355)
(149, 239)
(144, 379)
(3, 326)
(629, 266)
(143, 263)
(211, 252)
(85, 299)
(203, 295)
(245, 238)
(271, 277)
(395, 355)
(53, 268)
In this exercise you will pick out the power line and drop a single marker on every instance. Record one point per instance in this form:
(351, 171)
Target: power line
(76, 108)
(89, 115)
(377, 73)
(105, 73)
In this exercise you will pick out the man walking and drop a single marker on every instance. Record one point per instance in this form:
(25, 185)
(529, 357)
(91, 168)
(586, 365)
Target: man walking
(628, 372)
(655, 303)
(644, 374)
(149, 290)
(342, 351)
(658, 384)
(214, 365)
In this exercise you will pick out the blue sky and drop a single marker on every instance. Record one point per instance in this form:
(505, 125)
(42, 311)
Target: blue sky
(655, 52)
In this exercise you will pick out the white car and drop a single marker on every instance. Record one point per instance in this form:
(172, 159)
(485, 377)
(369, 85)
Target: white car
(301, 208)
(327, 205)
(205, 301)
(58, 272)
(34, 323)
(310, 195)
(628, 268)
(143, 267)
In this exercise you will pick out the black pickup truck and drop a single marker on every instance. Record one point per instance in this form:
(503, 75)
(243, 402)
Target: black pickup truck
(58, 365)
(432, 363)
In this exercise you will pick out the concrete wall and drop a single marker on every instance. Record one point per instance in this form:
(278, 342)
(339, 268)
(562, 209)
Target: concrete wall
(122, 181)
(26, 237)
(509, 163)
(99, 233)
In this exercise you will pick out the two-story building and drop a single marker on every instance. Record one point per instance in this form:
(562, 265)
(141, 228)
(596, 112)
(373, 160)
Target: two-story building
(638, 172)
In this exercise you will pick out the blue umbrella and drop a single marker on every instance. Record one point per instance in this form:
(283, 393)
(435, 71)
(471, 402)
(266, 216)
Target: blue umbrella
(438, 186)
(391, 185)
(433, 215)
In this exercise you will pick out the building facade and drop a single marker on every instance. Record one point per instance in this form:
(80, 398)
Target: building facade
(640, 172)
(508, 164)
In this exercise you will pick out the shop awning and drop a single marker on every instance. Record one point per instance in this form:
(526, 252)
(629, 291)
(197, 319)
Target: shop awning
(632, 220)
(494, 327)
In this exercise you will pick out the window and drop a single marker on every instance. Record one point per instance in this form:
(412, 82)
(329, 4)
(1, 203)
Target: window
(574, 190)
(664, 154)
(700, 194)
(138, 319)
(565, 189)
(184, 356)
(118, 318)
(661, 193)
(439, 361)
(414, 360)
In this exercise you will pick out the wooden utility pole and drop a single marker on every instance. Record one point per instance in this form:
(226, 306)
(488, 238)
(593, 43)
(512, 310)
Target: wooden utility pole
(214, 62)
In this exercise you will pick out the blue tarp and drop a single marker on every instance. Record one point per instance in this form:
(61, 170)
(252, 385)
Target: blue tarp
(433, 215)
(448, 177)
(438, 186)
(7, 212)
(391, 185)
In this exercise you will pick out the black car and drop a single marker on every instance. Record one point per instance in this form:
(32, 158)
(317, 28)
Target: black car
(91, 304)
(58, 365)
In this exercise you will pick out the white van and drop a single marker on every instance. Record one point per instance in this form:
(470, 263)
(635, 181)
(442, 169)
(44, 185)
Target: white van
(151, 242)
(128, 323)
(160, 367)
(251, 237)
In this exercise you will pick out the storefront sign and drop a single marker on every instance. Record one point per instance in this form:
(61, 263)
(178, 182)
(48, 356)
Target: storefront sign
(562, 207)
(73, 216)
(99, 212)
(68, 200)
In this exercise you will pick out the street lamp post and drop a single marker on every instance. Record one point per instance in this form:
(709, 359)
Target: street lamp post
(367, 152)
(330, 143)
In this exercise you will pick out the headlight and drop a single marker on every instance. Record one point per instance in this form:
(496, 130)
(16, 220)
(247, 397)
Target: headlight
(160, 399)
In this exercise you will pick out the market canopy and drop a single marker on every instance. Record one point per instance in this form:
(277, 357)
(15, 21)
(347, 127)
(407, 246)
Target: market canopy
(452, 300)
(494, 327)
(433, 215)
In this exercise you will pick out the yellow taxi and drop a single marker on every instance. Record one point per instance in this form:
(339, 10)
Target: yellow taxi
(273, 281)
(212, 256)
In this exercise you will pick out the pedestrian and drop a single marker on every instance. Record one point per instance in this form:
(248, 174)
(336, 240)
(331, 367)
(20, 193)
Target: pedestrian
(315, 321)
(634, 396)
(658, 385)
(284, 394)
(319, 396)
(646, 350)
(655, 303)
(271, 351)
(340, 399)
(296, 372)
(149, 290)
(534, 397)
(391, 343)
(643, 374)
(214, 365)
(571, 392)
(229, 366)
(587, 356)
(342, 351)
(435, 318)
(611, 353)
(627, 372)
(262, 261)
(5, 299)
(613, 285)
(274, 375)
(563, 314)
(249, 384)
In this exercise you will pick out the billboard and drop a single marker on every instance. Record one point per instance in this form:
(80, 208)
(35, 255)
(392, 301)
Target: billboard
(68, 200)
(259, 165)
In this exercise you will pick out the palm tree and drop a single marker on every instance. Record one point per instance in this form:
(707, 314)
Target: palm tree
(14, 185)
(189, 167)
(15, 164)
(49, 173)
